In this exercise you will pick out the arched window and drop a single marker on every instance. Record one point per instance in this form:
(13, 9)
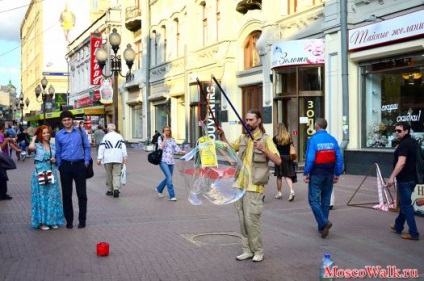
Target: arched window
(251, 56)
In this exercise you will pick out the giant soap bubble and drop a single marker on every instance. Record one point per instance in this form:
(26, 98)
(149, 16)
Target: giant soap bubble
(213, 171)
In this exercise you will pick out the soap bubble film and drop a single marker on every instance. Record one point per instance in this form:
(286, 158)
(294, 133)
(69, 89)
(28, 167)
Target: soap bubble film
(211, 171)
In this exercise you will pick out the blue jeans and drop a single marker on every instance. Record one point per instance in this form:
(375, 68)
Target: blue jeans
(168, 170)
(406, 212)
(319, 195)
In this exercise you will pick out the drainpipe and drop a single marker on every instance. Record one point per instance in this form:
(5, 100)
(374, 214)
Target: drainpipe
(345, 84)
(147, 75)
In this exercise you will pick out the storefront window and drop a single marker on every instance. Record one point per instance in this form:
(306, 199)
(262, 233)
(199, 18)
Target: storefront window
(161, 114)
(137, 126)
(393, 91)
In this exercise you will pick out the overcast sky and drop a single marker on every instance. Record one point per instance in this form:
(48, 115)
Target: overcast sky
(12, 13)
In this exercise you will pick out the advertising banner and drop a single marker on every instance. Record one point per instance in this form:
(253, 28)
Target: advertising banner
(95, 71)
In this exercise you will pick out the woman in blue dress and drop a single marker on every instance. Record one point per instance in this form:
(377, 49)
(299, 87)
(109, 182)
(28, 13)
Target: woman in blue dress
(46, 199)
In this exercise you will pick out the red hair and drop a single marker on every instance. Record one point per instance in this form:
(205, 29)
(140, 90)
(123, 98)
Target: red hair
(39, 132)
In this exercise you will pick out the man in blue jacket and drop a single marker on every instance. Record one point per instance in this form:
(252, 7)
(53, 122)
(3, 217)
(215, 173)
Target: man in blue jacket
(323, 166)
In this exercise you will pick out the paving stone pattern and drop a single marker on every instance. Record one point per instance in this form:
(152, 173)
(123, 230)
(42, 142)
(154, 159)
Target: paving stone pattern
(151, 238)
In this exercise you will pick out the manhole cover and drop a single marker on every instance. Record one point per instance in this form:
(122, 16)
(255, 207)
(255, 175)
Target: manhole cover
(214, 238)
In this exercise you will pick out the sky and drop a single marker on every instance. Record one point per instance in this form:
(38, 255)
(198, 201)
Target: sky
(12, 13)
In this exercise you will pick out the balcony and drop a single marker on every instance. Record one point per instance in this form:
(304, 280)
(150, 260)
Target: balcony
(133, 18)
(246, 5)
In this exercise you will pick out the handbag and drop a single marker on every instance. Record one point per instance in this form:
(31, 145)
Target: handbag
(6, 162)
(45, 177)
(155, 157)
(293, 154)
(90, 170)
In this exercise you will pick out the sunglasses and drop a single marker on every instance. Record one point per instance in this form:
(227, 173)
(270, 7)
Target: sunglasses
(398, 131)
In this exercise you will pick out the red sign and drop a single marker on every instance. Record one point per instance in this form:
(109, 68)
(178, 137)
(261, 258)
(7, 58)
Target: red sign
(96, 95)
(83, 102)
(295, 133)
(95, 71)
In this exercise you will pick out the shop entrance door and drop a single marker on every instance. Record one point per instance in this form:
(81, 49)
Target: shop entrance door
(299, 115)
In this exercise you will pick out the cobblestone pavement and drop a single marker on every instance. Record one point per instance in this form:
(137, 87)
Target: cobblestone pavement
(152, 238)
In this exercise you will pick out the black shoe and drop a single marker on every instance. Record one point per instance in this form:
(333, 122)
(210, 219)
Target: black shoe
(109, 193)
(81, 225)
(116, 193)
(6, 197)
(324, 230)
(69, 226)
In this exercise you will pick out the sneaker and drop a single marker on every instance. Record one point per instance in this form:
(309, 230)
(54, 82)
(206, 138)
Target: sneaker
(279, 195)
(244, 256)
(409, 237)
(6, 197)
(109, 193)
(173, 199)
(258, 258)
(55, 227)
(116, 193)
(160, 195)
(324, 230)
(44, 227)
(291, 196)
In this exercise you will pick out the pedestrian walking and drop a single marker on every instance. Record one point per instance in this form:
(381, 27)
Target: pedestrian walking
(155, 139)
(46, 201)
(6, 143)
(99, 133)
(169, 147)
(255, 155)
(323, 166)
(285, 170)
(113, 154)
(404, 171)
(23, 142)
(72, 157)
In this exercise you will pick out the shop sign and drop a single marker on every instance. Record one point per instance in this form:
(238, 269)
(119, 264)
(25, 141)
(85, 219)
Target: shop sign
(298, 52)
(95, 71)
(83, 102)
(310, 114)
(410, 25)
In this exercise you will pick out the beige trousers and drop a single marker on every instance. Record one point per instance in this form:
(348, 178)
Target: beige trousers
(249, 210)
(113, 176)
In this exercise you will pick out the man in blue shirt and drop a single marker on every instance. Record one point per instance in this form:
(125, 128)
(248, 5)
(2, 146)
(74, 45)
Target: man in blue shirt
(72, 157)
(323, 166)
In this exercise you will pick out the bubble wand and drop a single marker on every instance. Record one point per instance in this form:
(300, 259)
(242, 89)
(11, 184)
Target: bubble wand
(235, 111)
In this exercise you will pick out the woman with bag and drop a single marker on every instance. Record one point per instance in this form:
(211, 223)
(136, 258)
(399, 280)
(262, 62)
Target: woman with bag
(168, 145)
(286, 169)
(46, 199)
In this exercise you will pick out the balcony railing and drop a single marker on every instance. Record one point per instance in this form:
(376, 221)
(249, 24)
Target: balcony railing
(133, 18)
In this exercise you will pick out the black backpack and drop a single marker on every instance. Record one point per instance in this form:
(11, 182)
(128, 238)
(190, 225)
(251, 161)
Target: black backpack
(420, 162)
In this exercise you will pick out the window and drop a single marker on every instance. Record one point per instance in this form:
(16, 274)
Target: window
(218, 18)
(251, 56)
(177, 38)
(162, 116)
(204, 24)
(392, 91)
(163, 43)
(138, 55)
(154, 48)
(137, 124)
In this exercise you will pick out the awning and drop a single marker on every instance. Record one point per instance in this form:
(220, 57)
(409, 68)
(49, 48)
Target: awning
(91, 110)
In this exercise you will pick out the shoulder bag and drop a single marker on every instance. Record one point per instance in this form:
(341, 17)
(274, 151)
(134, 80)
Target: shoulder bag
(90, 170)
(155, 157)
(293, 154)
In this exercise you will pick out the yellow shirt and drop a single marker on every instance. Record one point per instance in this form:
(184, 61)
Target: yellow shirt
(247, 162)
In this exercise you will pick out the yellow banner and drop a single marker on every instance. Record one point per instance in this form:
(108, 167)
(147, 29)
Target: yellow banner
(207, 152)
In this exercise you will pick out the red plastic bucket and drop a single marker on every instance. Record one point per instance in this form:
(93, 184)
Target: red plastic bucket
(102, 249)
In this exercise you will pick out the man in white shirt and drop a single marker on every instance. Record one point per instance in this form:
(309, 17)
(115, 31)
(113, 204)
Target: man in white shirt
(113, 154)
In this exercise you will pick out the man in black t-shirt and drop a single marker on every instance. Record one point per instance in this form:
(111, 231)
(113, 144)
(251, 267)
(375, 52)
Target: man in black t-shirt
(404, 170)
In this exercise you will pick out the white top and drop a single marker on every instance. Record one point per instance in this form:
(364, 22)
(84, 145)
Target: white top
(112, 148)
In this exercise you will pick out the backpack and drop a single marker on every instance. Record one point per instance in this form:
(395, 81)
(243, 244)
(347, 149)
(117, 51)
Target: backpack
(419, 163)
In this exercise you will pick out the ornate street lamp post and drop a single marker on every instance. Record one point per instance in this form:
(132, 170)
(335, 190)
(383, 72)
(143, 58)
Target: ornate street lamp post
(20, 105)
(41, 90)
(115, 66)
